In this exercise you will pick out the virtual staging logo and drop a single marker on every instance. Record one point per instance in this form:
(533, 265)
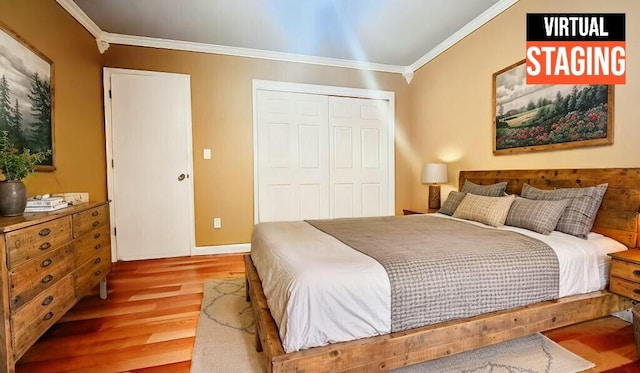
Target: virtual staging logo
(576, 48)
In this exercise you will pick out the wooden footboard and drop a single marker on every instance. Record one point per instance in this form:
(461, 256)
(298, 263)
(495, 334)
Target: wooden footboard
(395, 350)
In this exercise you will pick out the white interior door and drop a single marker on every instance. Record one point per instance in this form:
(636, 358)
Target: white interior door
(149, 155)
(293, 158)
(359, 157)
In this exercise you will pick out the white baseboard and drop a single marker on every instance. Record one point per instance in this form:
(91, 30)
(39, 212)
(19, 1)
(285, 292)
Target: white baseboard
(222, 249)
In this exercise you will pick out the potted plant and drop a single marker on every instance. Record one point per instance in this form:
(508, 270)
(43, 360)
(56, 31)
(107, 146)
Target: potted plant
(15, 166)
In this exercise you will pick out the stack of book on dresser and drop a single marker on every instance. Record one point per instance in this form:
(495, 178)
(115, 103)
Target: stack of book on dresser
(45, 203)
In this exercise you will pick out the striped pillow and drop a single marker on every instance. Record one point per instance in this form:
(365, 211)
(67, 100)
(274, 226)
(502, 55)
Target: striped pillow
(487, 210)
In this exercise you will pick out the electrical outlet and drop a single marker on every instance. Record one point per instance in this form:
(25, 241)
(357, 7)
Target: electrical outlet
(217, 223)
(206, 154)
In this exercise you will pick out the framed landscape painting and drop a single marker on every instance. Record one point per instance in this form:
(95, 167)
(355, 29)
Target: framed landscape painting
(26, 96)
(544, 117)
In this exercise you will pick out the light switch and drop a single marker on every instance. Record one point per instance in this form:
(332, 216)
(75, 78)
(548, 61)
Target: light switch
(206, 154)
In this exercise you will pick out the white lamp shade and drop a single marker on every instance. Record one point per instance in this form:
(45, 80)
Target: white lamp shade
(433, 173)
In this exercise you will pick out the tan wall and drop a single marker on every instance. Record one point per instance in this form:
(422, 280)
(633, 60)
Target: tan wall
(451, 99)
(222, 117)
(78, 114)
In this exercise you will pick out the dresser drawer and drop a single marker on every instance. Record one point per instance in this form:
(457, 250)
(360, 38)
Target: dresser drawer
(32, 320)
(85, 221)
(30, 278)
(625, 288)
(27, 243)
(89, 244)
(626, 270)
(91, 272)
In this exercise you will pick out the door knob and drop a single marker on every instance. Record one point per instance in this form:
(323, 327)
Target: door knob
(181, 177)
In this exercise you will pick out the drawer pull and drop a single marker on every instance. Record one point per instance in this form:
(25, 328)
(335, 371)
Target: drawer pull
(95, 224)
(47, 301)
(44, 232)
(98, 260)
(636, 272)
(46, 279)
(48, 316)
(97, 235)
(97, 273)
(95, 213)
(45, 263)
(97, 247)
(45, 246)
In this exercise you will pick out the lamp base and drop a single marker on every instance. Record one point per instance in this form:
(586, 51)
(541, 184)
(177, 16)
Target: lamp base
(434, 196)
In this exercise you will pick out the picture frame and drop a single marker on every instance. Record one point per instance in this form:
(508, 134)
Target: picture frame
(26, 96)
(541, 117)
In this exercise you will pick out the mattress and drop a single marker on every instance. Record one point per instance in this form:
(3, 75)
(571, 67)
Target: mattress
(321, 291)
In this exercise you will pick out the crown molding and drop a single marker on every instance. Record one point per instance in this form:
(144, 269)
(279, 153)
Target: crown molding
(74, 10)
(104, 39)
(142, 41)
(470, 27)
(408, 74)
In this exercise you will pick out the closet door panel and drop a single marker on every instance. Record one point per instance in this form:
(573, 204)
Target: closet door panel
(358, 156)
(371, 199)
(293, 159)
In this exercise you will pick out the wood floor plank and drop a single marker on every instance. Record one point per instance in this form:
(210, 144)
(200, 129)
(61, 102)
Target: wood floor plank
(122, 359)
(148, 323)
(169, 368)
(47, 351)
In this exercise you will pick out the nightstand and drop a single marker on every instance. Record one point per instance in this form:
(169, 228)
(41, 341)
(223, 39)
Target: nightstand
(418, 211)
(624, 277)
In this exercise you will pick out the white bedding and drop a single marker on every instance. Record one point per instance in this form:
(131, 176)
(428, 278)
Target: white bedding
(321, 291)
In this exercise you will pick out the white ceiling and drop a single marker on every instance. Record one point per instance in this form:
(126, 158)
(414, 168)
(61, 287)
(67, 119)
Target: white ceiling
(385, 35)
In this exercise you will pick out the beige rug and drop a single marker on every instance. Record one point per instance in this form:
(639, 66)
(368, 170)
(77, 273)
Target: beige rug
(225, 343)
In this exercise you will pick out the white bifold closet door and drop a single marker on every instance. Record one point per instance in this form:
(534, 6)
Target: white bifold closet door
(321, 156)
(293, 156)
(358, 147)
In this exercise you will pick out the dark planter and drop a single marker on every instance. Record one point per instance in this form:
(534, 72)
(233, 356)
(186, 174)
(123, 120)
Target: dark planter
(13, 198)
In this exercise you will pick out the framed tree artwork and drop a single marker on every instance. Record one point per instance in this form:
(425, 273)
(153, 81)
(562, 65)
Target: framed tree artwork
(545, 116)
(26, 96)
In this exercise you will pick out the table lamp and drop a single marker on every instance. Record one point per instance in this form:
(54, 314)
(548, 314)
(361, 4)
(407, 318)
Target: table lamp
(432, 174)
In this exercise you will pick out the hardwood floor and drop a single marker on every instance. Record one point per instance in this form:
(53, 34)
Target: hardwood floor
(148, 323)
(607, 342)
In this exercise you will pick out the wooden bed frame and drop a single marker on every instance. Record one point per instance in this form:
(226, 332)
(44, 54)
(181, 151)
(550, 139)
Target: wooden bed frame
(617, 218)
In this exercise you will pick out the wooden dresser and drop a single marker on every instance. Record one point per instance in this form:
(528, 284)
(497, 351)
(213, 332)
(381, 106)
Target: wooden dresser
(624, 276)
(51, 260)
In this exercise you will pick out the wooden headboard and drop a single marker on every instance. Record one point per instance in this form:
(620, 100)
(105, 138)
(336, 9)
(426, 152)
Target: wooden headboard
(617, 217)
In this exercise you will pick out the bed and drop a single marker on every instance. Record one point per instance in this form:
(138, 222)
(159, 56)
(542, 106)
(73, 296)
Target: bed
(617, 218)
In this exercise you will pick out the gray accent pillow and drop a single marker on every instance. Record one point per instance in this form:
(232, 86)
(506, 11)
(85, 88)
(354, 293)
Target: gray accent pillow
(577, 219)
(487, 210)
(537, 215)
(493, 190)
(450, 205)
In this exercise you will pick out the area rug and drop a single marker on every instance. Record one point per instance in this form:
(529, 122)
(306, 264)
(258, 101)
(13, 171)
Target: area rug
(225, 342)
